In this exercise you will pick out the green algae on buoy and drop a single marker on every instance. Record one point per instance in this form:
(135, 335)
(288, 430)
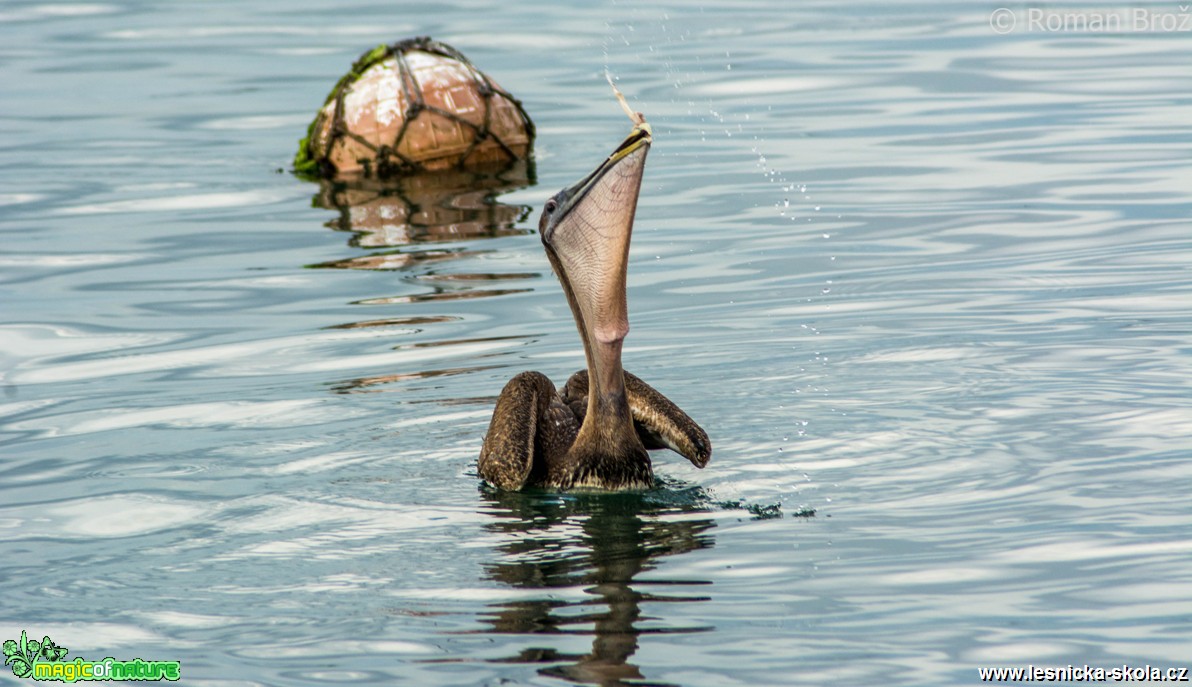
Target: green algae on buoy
(414, 106)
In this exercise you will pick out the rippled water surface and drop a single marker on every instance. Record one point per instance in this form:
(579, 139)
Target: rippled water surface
(926, 285)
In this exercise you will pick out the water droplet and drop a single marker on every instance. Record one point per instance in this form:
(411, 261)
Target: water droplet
(827, 236)
(825, 290)
(817, 208)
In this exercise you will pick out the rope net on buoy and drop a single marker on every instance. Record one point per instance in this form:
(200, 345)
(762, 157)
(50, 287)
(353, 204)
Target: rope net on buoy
(416, 105)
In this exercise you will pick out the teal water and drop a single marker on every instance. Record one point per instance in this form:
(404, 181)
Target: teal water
(926, 280)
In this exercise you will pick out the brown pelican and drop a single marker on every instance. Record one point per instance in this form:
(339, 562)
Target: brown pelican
(595, 432)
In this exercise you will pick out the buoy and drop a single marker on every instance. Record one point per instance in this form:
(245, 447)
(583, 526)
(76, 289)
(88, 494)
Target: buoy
(414, 106)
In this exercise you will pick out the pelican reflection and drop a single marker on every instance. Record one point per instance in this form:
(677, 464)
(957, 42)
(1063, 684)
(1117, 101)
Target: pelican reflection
(598, 543)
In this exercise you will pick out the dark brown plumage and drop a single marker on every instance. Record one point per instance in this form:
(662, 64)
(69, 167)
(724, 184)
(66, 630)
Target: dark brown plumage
(594, 432)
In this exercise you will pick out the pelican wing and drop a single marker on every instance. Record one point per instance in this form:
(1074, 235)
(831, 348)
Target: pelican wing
(508, 454)
(658, 421)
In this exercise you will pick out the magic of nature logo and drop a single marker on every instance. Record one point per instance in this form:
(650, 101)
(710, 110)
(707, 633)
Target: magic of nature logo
(46, 661)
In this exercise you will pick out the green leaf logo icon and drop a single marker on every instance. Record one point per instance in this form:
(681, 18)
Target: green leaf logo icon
(19, 656)
(22, 655)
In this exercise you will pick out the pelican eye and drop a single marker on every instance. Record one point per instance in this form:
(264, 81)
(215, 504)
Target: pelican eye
(551, 206)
